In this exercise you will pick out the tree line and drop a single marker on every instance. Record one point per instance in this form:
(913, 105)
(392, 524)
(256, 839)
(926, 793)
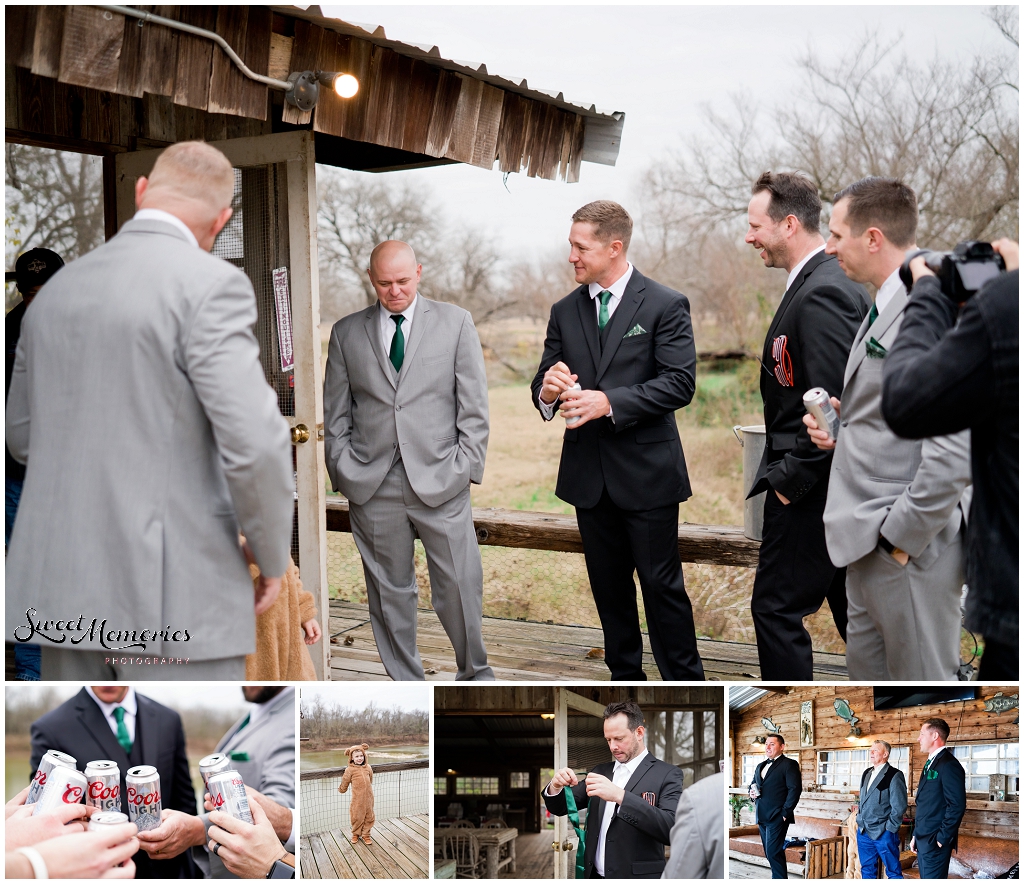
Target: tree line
(323, 722)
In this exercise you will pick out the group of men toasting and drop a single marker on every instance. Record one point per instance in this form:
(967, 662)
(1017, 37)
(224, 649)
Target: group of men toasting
(940, 800)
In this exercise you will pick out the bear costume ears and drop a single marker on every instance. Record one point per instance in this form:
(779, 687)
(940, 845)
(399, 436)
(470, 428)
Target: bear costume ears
(362, 747)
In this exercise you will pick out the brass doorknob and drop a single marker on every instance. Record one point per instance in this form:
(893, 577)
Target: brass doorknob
(567, 844)
(300, 434)
(555, 845)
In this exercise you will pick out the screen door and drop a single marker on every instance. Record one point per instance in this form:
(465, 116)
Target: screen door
(272, 237)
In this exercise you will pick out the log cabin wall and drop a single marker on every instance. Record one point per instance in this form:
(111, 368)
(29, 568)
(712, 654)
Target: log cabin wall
(85, 79)
(968, 722)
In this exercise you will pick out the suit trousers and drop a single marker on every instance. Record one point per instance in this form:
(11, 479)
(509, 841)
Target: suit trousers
(794, 576)
(616, 543)
(904, 622)
(384, 529)
(886, 848)
(1000, 661)
(932, 860)
(773, 839)
(60, 664)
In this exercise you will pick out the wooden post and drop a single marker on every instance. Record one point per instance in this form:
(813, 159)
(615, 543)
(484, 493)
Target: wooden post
(561, 760)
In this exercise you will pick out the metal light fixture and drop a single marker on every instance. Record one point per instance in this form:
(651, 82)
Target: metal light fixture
(305, 87)
(547, 716)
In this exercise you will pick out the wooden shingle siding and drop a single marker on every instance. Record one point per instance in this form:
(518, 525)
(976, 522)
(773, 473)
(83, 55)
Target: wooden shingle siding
(49, 33)
(90, 52)
(159, 52)
(195, 59)
(442, 114)
(19, 35)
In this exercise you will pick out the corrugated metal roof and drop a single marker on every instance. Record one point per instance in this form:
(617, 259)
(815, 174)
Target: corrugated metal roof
(604, 128)
(741, 698)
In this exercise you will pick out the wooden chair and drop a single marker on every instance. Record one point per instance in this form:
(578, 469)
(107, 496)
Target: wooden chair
(463, 824)
(493, 824)
(462, 847)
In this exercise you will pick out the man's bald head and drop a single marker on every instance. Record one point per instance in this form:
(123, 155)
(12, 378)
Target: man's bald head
(194, 182)
(392, 250)
(395, 275)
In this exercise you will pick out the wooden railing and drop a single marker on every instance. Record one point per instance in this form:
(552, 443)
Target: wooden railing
(709, 544)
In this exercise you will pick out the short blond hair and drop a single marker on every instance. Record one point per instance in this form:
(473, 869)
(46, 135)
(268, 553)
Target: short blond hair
(195, 171)
(611, 221)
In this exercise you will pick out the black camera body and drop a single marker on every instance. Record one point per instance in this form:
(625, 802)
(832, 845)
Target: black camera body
(961, 272)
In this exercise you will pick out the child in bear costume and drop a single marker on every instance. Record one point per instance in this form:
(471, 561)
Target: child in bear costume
(359, 775)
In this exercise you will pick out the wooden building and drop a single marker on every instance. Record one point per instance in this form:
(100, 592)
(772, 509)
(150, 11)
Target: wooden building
(116, 82)
(984, 735)
(495, 747)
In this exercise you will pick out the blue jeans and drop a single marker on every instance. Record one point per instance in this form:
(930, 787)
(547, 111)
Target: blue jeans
(886, 849)
(27, 666)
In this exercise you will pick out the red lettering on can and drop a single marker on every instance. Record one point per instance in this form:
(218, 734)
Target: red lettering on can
(72, 794)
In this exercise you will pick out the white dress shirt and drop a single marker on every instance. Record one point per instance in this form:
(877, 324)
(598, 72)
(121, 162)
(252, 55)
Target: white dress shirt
(620, 777)
(796, 270)
(889, 288)
(130, 706)
(874, 775)
(388, 325)
(618, 289)
(161, 215)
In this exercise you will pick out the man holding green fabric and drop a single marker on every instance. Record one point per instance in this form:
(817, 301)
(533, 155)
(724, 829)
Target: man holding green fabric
(631, 802)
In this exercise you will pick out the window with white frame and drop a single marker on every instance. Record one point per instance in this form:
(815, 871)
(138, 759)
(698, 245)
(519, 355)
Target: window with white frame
(476, 786)
(519, 780)
(982, 760)
(841, 769)
(749, 762)
(440, 785)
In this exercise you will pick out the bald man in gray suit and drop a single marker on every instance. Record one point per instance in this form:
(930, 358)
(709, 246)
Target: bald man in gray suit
(151, 438)
(405, 434)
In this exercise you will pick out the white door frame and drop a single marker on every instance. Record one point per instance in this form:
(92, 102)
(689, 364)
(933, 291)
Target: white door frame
(296, 150)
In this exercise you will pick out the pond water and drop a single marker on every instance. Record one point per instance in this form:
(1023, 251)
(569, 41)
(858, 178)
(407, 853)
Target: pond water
(377, 755)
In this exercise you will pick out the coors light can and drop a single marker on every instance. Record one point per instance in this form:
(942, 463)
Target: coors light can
(64, 785)
(227, 793)
(104, 785)
(99, 821)
(212, 764)
(818, 404)
(144, 806)
(50, 760)
(572, 421)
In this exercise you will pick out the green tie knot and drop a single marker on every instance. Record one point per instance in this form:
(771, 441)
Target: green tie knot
(123, 737)
(397, 354)
(602, 315)
(873, 315)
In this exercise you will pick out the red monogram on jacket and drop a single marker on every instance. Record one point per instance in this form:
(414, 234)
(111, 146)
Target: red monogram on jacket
(783, 362)
(651, 798)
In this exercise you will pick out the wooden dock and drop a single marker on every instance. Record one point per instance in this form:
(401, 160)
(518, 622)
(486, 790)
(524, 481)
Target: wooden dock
(526, 651)
(400, 849)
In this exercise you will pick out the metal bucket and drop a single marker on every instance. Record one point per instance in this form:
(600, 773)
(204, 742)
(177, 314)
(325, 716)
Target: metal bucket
(752, 439)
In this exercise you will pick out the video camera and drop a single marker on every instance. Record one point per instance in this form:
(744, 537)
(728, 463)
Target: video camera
(961, 272)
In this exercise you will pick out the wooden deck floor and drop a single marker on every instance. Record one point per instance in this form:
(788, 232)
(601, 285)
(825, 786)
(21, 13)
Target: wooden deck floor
(400, 849)
(525, 651)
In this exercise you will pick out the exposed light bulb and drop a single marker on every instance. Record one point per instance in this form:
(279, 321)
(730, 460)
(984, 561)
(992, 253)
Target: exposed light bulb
(346, 85)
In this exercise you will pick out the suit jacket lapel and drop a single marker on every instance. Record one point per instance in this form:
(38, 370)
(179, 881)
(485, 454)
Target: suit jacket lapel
(893, 310)
(620, 322)
(881, 773)
(420, 320)
(95, 725)
(588, 319)
(790, 295)
(372, 325)
(147, 730)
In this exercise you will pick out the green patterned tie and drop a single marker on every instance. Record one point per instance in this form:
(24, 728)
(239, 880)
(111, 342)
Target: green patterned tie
(123, 736)
(602, 314)
(873, 315)
(397, 354)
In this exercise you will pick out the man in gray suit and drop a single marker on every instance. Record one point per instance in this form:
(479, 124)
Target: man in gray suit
(405, 433)
(151, 438)
(698, 841)
(883, 799)
(261, 746)
(896, 507)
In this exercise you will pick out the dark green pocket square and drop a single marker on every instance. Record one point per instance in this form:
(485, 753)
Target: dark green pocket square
(875, 350)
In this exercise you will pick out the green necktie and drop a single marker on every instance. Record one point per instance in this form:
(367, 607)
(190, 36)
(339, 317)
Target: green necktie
(245, 721)
(873, 315)
(397, 354)
(122, 731)
(602, 314)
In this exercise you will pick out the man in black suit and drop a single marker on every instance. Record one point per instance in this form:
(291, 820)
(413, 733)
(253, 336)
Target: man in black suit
(775, 792)
(631, 802)
(628, 341)
(118, 724)
(941, 802)
(807, 346)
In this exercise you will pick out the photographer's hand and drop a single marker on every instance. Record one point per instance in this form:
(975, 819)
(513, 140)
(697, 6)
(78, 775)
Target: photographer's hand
(1010, 252)
(918, 268)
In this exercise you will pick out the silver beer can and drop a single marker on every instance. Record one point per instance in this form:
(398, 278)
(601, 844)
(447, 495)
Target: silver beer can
(143, 783)
(104, 785)
(227, 793)
(50, 760)
(99, 821)
(211, 764)
(818, 404)
(572, 421)
(64, 785)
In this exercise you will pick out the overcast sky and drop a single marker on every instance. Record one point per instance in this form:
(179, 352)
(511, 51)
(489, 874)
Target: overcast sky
(658, 64)
(359, 695)
(178, 695)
